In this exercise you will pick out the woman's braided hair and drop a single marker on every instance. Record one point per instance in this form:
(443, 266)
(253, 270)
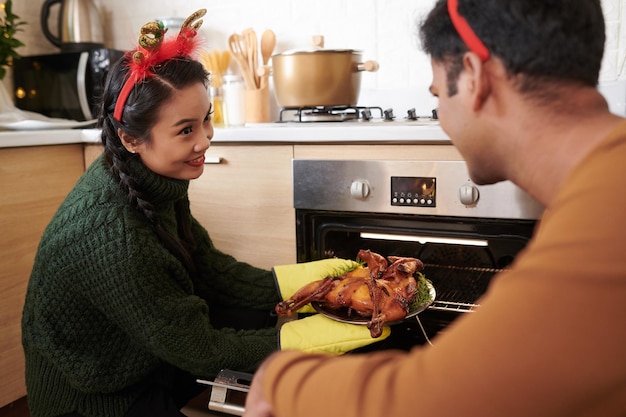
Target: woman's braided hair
(139, 116)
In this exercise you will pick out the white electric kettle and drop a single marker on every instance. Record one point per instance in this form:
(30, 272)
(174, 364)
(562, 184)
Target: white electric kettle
(80, 26)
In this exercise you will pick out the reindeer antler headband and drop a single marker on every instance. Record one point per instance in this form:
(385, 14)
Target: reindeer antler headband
(153, 50)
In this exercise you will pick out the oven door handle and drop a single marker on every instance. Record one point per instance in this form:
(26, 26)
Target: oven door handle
(218, 399)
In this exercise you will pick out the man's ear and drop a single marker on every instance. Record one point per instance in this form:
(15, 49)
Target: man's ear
(129, 142)
(479, 82)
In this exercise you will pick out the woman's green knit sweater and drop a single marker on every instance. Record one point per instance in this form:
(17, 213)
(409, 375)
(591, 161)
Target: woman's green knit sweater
(110, 311)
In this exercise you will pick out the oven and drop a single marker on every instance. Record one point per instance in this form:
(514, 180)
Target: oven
(430, 210)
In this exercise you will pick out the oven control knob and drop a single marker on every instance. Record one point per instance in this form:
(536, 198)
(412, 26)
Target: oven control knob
(468, 194)
(360, 189)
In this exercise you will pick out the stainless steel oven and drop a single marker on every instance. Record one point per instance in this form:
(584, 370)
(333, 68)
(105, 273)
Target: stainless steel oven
(431, 210)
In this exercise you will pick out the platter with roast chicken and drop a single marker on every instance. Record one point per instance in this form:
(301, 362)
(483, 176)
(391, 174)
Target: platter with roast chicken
(381, 291)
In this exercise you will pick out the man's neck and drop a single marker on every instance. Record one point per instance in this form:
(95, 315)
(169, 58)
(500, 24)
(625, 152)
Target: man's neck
(551, 143)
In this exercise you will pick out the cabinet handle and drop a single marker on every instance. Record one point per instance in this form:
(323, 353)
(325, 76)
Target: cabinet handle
(213, 160)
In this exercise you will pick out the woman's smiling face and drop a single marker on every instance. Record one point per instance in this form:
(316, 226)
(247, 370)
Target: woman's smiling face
(181, 135)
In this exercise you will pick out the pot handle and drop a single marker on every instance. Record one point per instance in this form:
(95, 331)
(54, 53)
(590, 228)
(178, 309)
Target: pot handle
(317, 41)
(371, 66)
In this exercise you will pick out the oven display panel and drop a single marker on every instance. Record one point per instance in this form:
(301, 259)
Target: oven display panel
(413, 191)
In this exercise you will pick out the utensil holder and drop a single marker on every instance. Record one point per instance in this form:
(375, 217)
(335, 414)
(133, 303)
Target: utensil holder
(258, 105)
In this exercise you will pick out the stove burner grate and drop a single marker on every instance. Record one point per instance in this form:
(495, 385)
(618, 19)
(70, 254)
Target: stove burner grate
(309, 114)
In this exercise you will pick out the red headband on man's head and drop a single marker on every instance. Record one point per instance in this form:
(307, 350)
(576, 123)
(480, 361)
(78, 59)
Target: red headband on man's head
(466, 33)
(154, 50)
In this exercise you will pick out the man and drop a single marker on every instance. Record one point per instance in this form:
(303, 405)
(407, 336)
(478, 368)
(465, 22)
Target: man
(516, 82)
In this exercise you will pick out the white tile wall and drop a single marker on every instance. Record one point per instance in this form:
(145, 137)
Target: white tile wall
(384, 30)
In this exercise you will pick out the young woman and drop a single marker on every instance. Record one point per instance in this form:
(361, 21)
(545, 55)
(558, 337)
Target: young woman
(116, 313)
(129, 301)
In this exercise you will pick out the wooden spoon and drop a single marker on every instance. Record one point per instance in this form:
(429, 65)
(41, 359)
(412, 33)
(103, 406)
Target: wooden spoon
(268, 43)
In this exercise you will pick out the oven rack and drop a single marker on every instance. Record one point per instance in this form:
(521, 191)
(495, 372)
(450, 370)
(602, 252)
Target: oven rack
(458, 287)
(452, 306)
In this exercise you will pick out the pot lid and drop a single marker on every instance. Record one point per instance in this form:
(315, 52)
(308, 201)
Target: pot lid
(319, 51)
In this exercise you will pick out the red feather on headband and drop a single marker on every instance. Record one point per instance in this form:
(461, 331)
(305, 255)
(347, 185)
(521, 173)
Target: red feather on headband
(153, 50)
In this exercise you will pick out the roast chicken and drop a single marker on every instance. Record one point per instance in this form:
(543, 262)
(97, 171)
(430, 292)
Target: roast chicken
(382, 291)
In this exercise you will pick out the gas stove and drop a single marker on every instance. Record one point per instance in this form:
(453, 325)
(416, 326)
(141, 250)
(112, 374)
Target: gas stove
(359, 114)
(346, 124)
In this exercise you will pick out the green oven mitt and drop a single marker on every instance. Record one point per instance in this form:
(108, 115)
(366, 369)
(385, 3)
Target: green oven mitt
(319, 334)
(290, 278)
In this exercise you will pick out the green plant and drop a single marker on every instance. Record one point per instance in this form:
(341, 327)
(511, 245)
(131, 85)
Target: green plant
(9, 26)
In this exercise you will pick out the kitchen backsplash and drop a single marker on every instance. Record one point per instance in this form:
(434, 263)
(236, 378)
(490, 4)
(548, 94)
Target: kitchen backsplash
(384, 30)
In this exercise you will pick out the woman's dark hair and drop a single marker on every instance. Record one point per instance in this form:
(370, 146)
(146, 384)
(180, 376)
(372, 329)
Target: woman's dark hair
(539, 41)
(139, 116)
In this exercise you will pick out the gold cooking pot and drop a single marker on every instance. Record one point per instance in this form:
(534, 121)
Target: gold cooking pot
(318, 77)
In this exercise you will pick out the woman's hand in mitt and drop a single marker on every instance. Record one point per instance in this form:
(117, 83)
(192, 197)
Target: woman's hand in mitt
(290, 278)
(319, 334)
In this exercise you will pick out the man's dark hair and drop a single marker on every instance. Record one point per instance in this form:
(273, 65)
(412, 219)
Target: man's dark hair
(539, 41)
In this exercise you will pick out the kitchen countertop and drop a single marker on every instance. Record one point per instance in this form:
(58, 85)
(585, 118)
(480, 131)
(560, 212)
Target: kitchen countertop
(366, 132)
(14, 139)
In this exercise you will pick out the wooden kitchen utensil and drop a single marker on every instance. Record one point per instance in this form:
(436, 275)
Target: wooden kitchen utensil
(250, 39)
(263, 73)
(268, 43)
(239, 51)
